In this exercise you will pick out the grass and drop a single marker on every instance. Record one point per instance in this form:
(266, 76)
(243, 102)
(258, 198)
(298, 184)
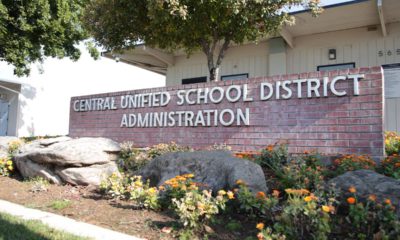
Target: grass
(60, 204)
(13, 228)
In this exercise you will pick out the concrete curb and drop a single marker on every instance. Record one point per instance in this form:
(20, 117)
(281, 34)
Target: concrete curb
(63, 223)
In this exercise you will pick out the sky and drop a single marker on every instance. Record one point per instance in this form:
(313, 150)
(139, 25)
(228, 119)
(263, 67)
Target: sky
(98, 72)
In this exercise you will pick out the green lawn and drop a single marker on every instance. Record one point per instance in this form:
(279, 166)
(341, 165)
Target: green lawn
(13, 228)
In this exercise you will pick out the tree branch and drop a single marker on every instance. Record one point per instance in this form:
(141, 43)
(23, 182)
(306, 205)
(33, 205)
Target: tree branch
(222, 51)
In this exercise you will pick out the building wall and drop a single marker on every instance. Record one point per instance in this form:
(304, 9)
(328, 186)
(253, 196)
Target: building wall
(251, 59)
(365, 48)
(42, 107)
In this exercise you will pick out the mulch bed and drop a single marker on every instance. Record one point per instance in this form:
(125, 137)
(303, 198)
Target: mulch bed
(89, 206)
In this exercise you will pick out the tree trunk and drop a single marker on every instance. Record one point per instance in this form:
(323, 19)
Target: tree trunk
(214, 74)
(209, 50)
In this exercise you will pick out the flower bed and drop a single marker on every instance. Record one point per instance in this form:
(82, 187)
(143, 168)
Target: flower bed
(299, 204)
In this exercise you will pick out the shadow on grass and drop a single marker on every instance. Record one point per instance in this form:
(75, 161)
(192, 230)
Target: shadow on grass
(12, 228)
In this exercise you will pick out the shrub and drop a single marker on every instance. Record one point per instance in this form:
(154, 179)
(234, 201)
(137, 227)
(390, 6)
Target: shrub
(258, 204)
(132, 159)
(304, 216)
(392, 143)
(305, 171)
(391, 166)
(132, 188)
(274, 157)
(163, 148)
(6, 166)
(195, 209)
(371, 219)
(352, 162)
(13, 146)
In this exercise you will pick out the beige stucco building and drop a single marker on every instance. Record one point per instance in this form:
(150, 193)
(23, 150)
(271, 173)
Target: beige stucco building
(357, 33)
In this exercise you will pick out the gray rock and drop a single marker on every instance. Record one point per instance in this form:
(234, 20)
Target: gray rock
(29, 169)
(217, 169)
(92, 175)
(75, 152)
(50, 141)
(369, 182)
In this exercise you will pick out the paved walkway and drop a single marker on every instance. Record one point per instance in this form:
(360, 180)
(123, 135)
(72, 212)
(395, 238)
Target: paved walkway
(63, 223)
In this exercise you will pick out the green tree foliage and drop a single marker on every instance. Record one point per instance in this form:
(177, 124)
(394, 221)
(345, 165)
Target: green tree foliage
(210, 26)
(31, 30)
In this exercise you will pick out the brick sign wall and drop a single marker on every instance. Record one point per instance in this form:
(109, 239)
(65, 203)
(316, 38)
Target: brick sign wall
(331, 112)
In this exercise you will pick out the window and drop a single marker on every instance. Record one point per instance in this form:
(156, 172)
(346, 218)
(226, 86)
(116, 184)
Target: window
(392, 80)
(235, 77)
(194, 80)
(336, 66)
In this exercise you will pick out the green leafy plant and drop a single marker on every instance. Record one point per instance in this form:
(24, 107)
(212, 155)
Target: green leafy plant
(391, 166)
(13, 146)
(370, 218)
(392, 143)
(351, 163)
(258, 204)
(305, 171)
(304, 216)
(163, 148)
(132, 159)
(6, 166)
(132, 188)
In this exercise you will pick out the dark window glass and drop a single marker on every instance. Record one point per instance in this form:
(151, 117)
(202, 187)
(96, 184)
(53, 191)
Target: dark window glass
(336, 66)
(194, 80)
(235, 77)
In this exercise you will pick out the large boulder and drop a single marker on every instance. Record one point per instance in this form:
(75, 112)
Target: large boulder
(368, 182)
(74, 152)
(29, 169)
(83, 161)
(216, 169)
(92, 175)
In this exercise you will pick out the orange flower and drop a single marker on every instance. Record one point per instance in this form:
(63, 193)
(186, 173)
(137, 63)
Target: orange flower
(270, 148)
(352, 189)
(351, 200)
(260, 226)
(372, 197)
(260, 195)
(307, 199)
(275, 193)
(387, 201)
(326, 209)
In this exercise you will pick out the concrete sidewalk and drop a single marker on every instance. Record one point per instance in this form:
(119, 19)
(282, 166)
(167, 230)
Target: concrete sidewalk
(63, 223)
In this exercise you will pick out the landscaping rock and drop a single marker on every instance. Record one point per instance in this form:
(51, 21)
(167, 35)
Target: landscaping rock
(369, 182)
(75, 152)
(29, 169)
(92, 175)
(80, 161)
(217, 169)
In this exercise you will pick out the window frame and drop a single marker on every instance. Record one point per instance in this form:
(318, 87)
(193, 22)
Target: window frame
(234, 75)
(335, 65)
